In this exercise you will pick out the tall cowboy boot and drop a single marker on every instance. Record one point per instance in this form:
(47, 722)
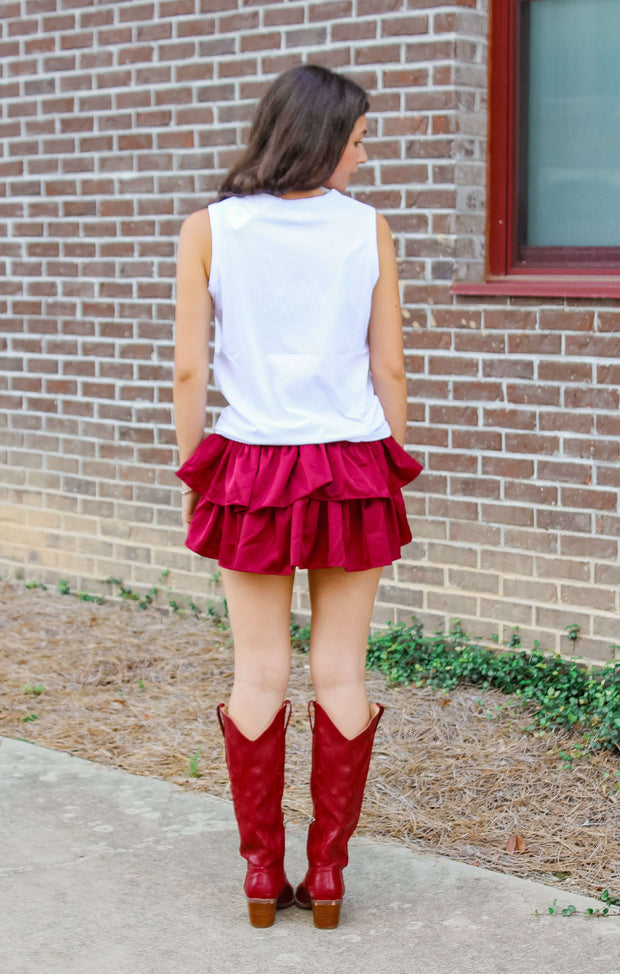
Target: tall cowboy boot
(337, 782)
(256, 769)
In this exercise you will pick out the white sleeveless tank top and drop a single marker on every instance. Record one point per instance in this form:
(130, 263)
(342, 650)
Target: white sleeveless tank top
(292, 283)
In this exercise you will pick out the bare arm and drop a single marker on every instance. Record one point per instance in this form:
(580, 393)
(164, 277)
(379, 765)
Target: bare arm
(191, 351)
(387, 364)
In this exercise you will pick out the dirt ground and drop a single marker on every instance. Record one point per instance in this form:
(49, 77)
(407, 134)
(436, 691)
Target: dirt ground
(453, 773)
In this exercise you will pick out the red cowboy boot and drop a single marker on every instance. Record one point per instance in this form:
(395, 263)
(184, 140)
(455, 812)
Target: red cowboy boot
(339, 772)
(256, 770)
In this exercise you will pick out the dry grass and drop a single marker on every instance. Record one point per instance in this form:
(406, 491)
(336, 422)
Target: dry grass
(454, 774)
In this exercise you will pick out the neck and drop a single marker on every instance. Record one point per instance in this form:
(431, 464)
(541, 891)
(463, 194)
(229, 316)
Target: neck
(303, 194)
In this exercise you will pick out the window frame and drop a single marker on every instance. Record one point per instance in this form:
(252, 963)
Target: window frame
(560, 272)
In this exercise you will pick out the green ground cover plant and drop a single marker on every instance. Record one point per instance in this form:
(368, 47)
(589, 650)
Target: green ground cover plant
(561, 692)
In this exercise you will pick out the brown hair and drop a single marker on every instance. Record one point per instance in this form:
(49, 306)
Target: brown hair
(299, 133)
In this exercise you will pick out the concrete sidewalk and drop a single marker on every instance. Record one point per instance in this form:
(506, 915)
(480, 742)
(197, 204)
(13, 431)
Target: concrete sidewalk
(102, 872)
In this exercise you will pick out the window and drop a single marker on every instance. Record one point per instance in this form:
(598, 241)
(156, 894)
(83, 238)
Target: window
(554, 148)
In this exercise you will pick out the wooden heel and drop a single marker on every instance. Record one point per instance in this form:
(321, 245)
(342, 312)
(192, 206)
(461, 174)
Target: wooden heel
(326, 914)
(262, 912)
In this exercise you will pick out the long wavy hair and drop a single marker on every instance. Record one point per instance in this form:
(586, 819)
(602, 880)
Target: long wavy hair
(299, 133)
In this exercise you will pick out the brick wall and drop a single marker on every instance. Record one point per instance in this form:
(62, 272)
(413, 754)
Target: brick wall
(117, 120)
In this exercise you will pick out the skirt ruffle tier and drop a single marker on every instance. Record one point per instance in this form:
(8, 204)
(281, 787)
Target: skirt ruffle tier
(269, 509)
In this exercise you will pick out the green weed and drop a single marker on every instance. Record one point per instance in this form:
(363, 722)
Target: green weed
(590, 911)
(193, 764)
(300, 637)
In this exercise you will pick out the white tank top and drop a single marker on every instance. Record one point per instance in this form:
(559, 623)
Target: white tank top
(292, 283)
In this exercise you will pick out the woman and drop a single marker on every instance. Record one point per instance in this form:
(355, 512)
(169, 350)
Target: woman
(305, 466)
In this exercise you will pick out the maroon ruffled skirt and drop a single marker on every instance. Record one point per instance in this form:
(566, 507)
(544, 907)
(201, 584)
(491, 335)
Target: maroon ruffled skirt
(268, 509)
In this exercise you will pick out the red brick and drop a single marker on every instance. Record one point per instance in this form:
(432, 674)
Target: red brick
(261, 42)
(534, 444)
(445, 22)
(444, 74)
(475, 533)
(452, 461)
(559, 470)
(562, 320)
(534, 343)
(137, 12)
(113, 79)
(472, 391)
(529, 493)
(238, 68)
(591, 547)
(214, 6)
(555, 370)
(592, 448)
(573, 422)
(432, 199)
(354, 31)
(593, 345)
(246, 20)
(510, 418)
(403, 173)
(589, 498)
(377, 7)
(608, 321)
(533, 393)
(475, 486)
(407, 78)
(77, 39)
(176, 8)
(96, 18)
(508, 368)
(608, 374)
(306, 37)
(607, 425)
(430, 50)
(607, 525)
(605, 574)
(590, 597)
(405, 27)
(136, 54)
(198, 28)
(58, 22)
(576, 397)
(608, 476)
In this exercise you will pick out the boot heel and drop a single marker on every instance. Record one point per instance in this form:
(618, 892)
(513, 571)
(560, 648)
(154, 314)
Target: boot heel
(326, 914)
(262, 912)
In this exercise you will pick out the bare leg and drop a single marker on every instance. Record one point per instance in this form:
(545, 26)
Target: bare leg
(259, 607)
(342, 604)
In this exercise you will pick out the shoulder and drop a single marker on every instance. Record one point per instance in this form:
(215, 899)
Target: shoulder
(195, 245)
(197, 226)
(383, 228)
(352, 205)
(361, 217)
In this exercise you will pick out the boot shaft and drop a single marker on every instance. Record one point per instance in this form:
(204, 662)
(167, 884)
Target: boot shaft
(337, 783)
(256, 771)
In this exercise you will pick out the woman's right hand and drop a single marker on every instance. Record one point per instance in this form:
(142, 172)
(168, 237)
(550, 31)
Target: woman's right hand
(188, 504)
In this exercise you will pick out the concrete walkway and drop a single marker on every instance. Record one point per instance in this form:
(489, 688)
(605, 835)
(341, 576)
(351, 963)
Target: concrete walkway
(103, 872)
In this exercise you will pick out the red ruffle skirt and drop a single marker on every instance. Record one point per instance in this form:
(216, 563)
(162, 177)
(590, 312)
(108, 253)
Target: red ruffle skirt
(268, 509)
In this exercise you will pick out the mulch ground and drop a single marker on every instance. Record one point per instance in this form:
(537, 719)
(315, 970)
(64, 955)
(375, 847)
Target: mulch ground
(453, 773)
